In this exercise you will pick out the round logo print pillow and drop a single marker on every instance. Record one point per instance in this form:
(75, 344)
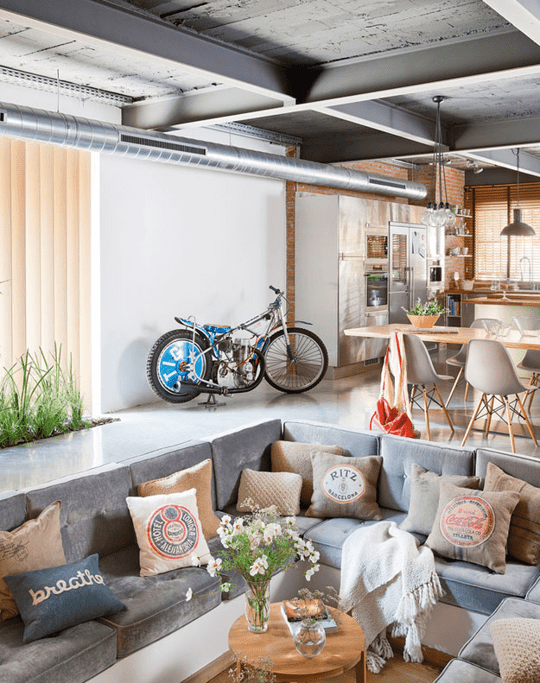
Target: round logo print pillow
(168, 531)
(467, 521)
(343, 484)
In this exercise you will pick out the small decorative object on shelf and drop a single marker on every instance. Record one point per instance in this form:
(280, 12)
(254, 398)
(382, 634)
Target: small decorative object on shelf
(256, 546)
(425, 314)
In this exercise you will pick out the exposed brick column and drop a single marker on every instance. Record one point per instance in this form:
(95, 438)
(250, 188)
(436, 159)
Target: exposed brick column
(290, 195)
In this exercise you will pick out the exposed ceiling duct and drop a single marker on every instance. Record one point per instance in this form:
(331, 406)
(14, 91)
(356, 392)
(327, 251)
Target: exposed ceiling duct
(95, 136)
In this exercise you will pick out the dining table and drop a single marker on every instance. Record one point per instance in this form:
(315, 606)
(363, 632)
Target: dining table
(511, 339)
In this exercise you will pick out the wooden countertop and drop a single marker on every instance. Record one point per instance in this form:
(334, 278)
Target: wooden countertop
(514, 299)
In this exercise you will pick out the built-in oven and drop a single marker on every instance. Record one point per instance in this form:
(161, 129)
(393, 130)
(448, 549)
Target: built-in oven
(376, 289)
(376, 244)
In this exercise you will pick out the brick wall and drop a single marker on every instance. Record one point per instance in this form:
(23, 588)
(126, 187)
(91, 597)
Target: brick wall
(455, 181)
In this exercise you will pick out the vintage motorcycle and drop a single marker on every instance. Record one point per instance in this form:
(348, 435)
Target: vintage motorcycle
(229, 360)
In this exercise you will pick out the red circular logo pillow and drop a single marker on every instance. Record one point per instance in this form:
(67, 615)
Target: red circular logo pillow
(467, 521)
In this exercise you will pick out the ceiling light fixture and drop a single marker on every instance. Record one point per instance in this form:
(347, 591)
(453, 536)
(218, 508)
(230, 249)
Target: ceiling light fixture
(517, 228)
(438, 214)
(474, 167)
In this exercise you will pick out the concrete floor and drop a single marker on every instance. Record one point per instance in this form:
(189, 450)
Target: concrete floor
(349, 402)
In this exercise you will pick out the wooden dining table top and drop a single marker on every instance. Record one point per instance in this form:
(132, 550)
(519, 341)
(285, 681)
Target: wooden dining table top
(446, 335)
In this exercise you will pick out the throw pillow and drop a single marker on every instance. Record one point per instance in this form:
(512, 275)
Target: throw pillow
(260, 490)
(424, 498)
(50, 600)
(295, 456)
(516, 644)
(345, 487)
(198, 477)
(168, 531)
(36, 544)
(473, 526)
(524, 536)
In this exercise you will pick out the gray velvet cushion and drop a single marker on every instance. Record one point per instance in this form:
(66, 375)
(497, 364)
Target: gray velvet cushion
(156, 605)
(95, 517)
(399, 454)
(477, 588)
(237, 449)
(479, 649)
(424, 497)
(355, 442)
(12, 510)
(522, 467)
(329, 536)
(458, 671)
(75, 655)
(533, 594)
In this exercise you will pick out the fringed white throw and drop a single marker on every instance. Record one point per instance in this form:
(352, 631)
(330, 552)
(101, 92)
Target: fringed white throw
(388, 579)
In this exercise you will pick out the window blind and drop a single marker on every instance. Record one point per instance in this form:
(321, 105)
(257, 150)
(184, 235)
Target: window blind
(493, 209)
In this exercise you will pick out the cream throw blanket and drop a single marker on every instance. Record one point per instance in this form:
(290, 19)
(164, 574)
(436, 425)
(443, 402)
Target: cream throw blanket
(388, 580)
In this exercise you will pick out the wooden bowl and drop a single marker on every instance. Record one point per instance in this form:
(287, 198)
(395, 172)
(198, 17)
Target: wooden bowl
(424, 321)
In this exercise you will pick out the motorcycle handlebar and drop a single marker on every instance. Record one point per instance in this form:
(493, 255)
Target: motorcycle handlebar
(274, 289)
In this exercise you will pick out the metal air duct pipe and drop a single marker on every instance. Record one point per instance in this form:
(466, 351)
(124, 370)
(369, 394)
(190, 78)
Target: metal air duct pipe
(95, 136)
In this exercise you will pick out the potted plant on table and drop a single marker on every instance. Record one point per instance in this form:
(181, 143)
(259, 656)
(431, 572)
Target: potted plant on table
(256, 546)
(425, 314)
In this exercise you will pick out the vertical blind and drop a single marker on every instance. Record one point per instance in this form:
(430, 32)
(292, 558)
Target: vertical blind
(45, 254)
(493, 209)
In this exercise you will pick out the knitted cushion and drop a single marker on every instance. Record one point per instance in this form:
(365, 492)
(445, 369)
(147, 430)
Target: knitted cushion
(295, 456)
(517, 646)
(424, 499)
(198, 477)
(262, 489)
(472, 526)
(524, 536)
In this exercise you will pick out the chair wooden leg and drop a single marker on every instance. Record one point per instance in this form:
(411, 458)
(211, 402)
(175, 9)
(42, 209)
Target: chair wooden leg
(473, 419)
(467, 385)
(510, 427)
(489, 408)
(527, 421)
(426, 413)
(530, 394)
(411, 397)
(454, 386)
(448, 418)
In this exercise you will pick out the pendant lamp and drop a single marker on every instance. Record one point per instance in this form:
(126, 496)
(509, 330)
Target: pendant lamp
(438, 214)
(517, 228)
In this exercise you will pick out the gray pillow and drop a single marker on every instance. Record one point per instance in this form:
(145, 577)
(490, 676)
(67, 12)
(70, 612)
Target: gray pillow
(425, 487)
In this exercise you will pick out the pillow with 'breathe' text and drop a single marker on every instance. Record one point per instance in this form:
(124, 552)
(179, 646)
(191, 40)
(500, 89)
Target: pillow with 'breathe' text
(51, 600)
(344, 487)
(168, 531)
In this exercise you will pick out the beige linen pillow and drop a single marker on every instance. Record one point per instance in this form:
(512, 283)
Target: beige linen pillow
(424, 498)
(473, 526)
(198, 477)
(524, 536)
(36, 544)
(517, 647)
(295, 456)
(260, 490)
(168, 531)
(345, 487)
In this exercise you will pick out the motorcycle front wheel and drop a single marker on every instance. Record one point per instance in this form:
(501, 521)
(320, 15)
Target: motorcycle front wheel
(174, 359)
(299, 368)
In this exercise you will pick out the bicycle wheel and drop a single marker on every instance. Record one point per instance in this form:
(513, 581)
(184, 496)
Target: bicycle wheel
(300, 371)
(170, 363)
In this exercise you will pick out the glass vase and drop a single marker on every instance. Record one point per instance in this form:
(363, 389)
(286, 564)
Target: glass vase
(309, 638)
(257, 605)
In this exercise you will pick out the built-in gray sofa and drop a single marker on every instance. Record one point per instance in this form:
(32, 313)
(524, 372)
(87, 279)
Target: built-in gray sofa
(160, 624)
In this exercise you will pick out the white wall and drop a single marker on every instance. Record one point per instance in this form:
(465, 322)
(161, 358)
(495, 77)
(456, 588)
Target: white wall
(179, 241)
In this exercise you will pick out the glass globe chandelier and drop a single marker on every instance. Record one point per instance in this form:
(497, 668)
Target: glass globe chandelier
(438, 213)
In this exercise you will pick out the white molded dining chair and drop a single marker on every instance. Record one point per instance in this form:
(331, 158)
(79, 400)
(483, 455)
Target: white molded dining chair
(490, 369)
(531, 363)
(420, 372)
(460, 359)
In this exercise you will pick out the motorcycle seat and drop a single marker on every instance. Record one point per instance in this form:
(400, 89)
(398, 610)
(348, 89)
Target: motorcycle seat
(217, 329)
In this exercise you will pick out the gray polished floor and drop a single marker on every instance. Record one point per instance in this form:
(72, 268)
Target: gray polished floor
(349, 402)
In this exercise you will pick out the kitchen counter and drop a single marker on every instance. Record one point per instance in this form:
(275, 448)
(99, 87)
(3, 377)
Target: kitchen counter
(513, 299)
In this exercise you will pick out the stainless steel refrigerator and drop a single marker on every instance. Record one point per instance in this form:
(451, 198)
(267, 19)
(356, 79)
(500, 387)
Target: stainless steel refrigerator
(408, 269)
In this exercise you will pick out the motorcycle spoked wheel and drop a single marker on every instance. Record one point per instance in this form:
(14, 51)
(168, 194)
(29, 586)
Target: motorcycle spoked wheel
(163, 365)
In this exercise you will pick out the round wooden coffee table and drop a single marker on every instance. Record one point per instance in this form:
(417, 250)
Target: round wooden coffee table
(343, 650)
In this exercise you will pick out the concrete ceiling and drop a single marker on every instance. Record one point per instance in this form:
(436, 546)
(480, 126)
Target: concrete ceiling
(347, 79)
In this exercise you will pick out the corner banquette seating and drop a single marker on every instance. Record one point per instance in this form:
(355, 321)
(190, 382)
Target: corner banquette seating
(162, 636)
